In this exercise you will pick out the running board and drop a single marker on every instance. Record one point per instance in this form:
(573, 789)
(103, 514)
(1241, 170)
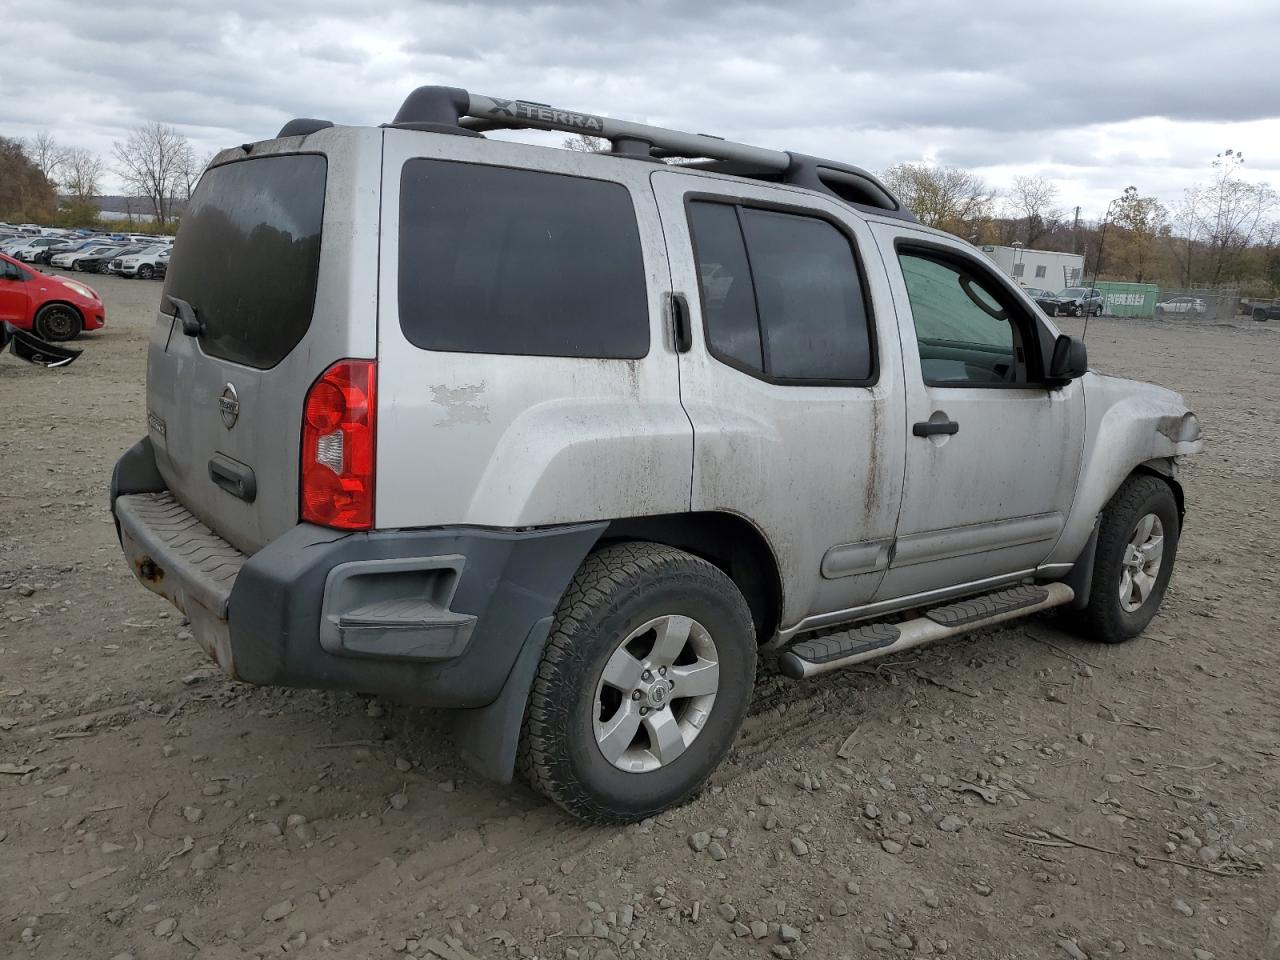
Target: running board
(808, 658)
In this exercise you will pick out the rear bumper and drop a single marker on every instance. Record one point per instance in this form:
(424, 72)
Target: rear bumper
(434, 617)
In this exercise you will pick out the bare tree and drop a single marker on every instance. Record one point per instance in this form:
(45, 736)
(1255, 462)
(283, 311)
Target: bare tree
(948, 198)
(193, 169)
(1229, 213)
(582, 143)
(1031, 201)
(83, 174)
(46, 155)
(151, 162)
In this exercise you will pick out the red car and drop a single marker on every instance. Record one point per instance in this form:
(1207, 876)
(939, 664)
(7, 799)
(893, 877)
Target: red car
(53, 308)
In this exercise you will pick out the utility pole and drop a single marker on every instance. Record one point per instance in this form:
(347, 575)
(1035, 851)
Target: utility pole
(1075, 233)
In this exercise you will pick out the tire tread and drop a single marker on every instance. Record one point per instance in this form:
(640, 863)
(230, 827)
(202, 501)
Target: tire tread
(604, 573)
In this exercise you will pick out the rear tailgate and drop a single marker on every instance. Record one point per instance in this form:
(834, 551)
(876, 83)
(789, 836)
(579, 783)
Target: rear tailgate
(277, 257)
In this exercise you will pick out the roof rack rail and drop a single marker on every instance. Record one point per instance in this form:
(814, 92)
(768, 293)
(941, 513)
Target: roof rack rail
(441, 109)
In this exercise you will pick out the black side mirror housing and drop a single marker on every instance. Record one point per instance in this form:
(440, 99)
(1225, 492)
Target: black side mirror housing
(1070, 360)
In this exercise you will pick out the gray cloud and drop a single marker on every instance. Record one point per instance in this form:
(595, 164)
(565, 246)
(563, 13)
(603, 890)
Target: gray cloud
(993, 86)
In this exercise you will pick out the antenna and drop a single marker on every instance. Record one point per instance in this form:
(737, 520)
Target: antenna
(1097, 265)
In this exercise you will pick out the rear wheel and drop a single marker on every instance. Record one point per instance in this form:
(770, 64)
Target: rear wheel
(58, 321)
(643, 684)
(1137, 544)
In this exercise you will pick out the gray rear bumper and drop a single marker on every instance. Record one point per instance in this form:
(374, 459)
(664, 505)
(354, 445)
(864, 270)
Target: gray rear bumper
(277, 617)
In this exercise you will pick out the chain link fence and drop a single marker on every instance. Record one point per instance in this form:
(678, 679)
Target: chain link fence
(1198, 303)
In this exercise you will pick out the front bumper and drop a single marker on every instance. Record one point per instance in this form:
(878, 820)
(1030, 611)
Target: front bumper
(434, 617)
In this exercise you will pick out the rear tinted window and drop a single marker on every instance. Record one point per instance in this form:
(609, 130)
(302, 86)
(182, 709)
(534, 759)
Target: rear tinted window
(782, 295)
(248, 255)
(495, 260)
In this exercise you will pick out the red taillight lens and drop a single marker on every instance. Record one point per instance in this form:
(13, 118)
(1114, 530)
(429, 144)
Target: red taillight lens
(338, 431)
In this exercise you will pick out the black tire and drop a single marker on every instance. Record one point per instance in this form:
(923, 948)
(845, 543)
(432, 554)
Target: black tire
(617, 590)
(105, 269)
(57, 322)
(75, 266)
(1098, 312)
(1077, 311)
(1159, 311)
(146, 272)
(1052, 311)
(1105, 619)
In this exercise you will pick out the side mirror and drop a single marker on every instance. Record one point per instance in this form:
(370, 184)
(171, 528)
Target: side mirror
(1070, 359)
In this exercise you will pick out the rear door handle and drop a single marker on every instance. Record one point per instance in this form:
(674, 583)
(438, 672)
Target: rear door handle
(682, 328)
(929, 428)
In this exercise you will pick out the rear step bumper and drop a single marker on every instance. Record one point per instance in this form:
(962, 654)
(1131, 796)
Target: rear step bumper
(435, 617)
(808, 658)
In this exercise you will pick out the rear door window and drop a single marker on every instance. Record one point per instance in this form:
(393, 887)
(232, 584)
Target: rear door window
(782, 295)
(248, 256)
(505, 261)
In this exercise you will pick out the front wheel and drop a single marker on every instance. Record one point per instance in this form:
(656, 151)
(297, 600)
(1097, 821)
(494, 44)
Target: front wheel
(643, 684)
(105, 269)
(1137, 544)
(146, 272)
(57, 322)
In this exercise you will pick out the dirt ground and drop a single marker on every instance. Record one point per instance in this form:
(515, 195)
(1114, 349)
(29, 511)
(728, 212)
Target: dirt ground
(1093, 802)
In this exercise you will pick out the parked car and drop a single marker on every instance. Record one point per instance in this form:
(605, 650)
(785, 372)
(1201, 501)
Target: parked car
(27, 251)
(145, 264)
(1180, 305)
(1076, 302)
(70, 246)
(562, 441)
(1261, 310)
(1046, 300)
(101, 262)
(53, 308)
(76, 259)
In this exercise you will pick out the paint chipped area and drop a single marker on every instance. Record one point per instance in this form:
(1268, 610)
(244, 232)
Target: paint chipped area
(462, 405)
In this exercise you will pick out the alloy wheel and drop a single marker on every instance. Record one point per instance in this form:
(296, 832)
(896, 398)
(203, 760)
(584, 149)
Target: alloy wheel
(656, 693)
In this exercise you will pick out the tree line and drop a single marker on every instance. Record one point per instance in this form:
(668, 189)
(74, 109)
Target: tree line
(44, 181)
(1223, 231)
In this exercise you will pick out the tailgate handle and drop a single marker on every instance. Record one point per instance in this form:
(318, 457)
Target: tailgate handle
(191, 324)
(234, 477)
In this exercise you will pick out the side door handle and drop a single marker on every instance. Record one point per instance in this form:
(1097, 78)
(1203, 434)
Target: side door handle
(929, 428)
(681, 325)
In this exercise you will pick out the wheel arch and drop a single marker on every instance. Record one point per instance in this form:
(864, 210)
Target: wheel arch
(1165, 470)
(730, 542)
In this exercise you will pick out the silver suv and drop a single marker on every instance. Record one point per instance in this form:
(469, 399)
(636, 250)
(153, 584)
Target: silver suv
(564, 441)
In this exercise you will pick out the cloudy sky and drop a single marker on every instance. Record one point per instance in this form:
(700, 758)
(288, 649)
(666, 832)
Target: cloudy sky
(1093, 95)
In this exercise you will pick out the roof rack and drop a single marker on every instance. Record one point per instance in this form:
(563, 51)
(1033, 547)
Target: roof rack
(452, 110)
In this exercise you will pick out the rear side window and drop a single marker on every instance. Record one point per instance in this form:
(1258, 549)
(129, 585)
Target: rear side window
(503, 261)
(248, 256)
(782, 295)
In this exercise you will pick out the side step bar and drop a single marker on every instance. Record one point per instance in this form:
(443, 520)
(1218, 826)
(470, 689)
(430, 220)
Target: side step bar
(808, 658)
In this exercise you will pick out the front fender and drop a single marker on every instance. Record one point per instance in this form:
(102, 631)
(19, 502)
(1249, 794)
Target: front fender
(1128, 424)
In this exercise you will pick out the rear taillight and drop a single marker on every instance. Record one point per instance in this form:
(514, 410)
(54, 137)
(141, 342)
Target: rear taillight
(338, 432)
